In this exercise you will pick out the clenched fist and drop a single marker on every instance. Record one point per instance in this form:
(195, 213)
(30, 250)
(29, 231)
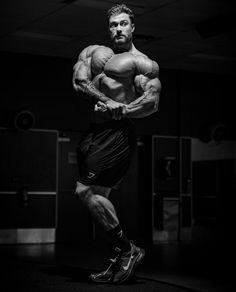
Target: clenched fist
(116, 109)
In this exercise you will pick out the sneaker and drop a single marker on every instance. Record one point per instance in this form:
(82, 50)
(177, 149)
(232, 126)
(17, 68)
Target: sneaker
(127, 263)
(107, 275)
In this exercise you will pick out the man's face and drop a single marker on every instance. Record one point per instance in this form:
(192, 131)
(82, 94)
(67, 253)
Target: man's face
(121, 29)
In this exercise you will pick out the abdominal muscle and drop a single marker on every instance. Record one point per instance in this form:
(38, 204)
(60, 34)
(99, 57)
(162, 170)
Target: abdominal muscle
(120, 89)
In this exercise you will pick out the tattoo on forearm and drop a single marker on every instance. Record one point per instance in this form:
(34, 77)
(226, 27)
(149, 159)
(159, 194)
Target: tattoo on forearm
(91, 90)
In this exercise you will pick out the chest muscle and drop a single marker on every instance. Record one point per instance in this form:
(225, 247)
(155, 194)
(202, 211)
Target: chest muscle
(120, 65)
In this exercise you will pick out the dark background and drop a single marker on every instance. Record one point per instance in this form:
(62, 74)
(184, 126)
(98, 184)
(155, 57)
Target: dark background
(193, 44)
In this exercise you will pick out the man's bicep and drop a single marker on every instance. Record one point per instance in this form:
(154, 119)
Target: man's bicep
(153, 85)
(144, 84)
(149, 98)
(82, 69)
(82, 72)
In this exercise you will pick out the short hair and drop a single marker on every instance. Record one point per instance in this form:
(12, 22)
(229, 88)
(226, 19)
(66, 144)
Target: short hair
(118, 9)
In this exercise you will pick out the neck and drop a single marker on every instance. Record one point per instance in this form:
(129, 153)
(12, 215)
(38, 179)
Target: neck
(124, 48)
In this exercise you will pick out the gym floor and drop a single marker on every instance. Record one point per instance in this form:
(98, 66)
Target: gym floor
(172, 267)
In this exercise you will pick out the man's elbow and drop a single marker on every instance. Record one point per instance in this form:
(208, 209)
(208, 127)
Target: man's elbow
(155, 108)
(154, 105)
(78, 85)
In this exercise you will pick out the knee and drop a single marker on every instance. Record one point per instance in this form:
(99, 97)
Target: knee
(87, 196)
(102, 191)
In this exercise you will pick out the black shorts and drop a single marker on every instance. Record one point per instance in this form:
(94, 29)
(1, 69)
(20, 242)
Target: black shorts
(105, 152)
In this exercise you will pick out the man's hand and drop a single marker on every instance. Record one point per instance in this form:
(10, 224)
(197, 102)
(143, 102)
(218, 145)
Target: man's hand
(116, 109)
(100, 107)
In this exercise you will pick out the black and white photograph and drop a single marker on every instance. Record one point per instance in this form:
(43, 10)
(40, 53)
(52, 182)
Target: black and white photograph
(117, 145)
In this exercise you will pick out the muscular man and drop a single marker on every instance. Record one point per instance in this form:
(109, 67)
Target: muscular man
(123, 84)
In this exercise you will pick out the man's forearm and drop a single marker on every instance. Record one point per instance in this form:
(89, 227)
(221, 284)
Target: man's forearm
(139, 111)
(90, 89)
(142, 107)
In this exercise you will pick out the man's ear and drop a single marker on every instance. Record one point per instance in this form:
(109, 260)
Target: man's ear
(133, 27)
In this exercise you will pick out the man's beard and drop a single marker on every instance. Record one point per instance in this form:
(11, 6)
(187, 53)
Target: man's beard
(121, 40)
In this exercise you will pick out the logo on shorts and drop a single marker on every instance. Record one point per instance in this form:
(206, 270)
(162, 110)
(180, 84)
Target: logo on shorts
(91, 175)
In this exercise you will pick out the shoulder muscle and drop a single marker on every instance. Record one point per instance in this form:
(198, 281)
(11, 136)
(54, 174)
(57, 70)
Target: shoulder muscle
(147, 67)
(87, 52)
(82, 68)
